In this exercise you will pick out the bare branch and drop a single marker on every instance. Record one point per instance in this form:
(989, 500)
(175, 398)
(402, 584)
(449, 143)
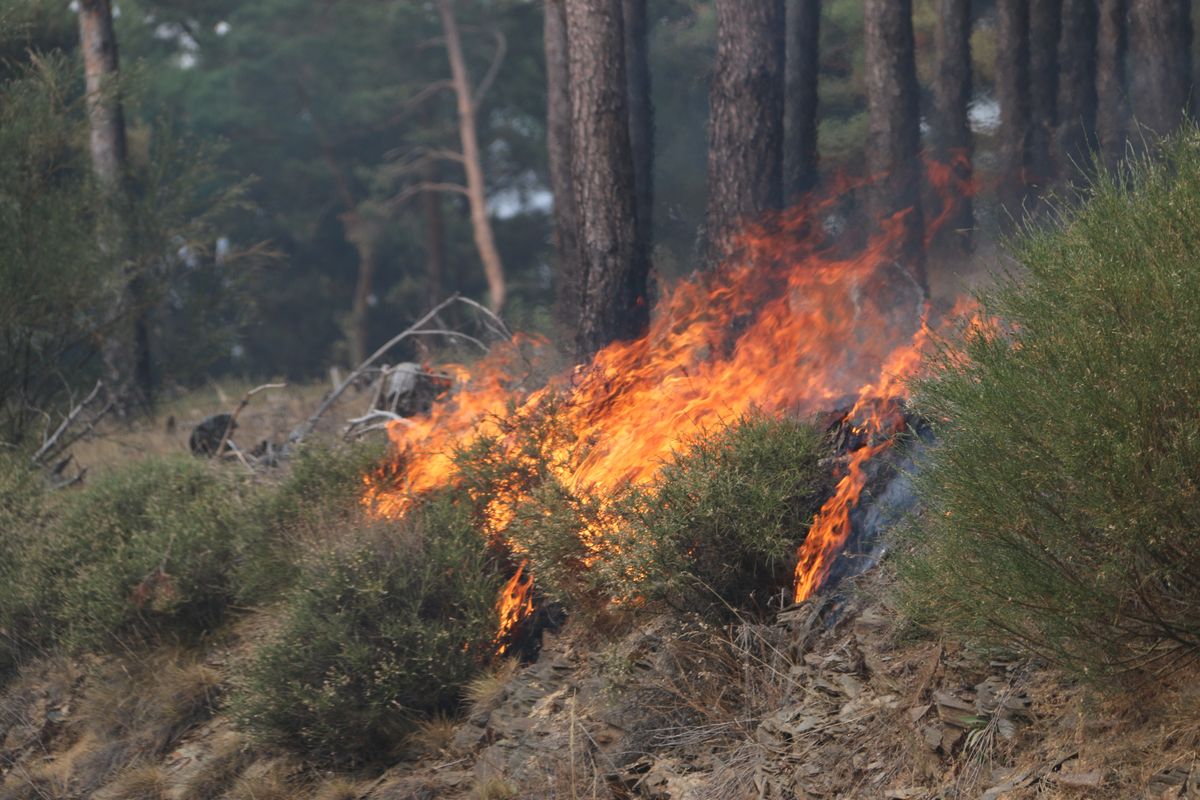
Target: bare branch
(453, 335)
(420, 188)
(501, 50)
(49, 443)
(229, 426)
(302, 431)
(500, 328)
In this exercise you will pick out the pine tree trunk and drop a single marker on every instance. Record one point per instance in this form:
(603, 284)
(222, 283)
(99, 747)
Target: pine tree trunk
(126, 350)
(641, 114)
(1112, 108)
(1012, 92)
(612, 266)
(1160, 41)
(745, 127)
(893, 121)
(481, 223)
(803, 65)
(1077, 83)
(952, 129)
(558, 146)
(1045, 26)
(435, 241)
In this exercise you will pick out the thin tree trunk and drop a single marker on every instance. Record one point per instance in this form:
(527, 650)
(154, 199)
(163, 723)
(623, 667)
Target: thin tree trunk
(364, 236)
(1045, 27)
(126, 351)
(952, 90)
(1077, 85)
(613, 268)
(745, 128)
(641, 114)
(1160, 42)
(1112, 108)
(802, 70)
(558, 146)
(1012, 91)
(893, 127)
(481, 224)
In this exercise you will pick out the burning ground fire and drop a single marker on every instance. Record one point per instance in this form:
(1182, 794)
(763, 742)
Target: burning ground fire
(791, 324)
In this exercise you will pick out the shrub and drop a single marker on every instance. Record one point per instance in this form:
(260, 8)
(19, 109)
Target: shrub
(720, 525)
(1062, 501)
(385, 627)
(148, 548)
(322, 488)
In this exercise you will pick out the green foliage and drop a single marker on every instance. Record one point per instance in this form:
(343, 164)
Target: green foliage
(147, 549)
(1062, 503)
(720, 525)
(388, 623)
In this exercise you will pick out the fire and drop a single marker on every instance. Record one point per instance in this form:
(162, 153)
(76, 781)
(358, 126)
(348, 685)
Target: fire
(792, 324)
(515, 603)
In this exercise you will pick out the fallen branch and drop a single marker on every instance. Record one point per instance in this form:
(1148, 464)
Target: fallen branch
(49, 443)
(229, 426)
(303, 430)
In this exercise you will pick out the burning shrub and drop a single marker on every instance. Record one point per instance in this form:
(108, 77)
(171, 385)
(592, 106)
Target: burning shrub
(387, 625)
(148, 547)
(719, 526)
(1063, 498)
(728, 512)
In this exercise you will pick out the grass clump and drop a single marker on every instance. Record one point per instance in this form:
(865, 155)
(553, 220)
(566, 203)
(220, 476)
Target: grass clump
(385, 628)
(1063, 497)
(147, 549)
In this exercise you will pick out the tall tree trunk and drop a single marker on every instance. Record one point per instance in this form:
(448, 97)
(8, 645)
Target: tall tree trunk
(641, 114)
(803, 66)
(1111, 42)
(558, 145)
(952, 90)
(745, 124)
(1012, 91)
(893, 126)
(1077, 84)
(363, 230)
(435, 240)
(1160, 42)
(481, 224)
(612, 266)
(126, 351)
(1045, 27)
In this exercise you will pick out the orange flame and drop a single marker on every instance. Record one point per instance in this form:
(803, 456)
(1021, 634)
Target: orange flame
(790, 324)
(515, 603)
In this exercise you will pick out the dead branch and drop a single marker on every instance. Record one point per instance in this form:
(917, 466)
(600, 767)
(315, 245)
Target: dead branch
(497, 59)
(302, 431)
(453, 335)
(425, 186)
(50, 441)
(500, 328)
(229, 426)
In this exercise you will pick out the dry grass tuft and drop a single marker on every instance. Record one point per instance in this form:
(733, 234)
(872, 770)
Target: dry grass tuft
(142, 782)
(341, 789)
(485, 691)
(265, 780)
(434, 734)
(493, 789)
(225, 762)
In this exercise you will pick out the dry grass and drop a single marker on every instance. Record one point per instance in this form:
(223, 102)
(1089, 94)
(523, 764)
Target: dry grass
(433, 735)
(265, 780)
(222, 767)
(485, 691)
(493, 789)
(140, 782)
(341, 789)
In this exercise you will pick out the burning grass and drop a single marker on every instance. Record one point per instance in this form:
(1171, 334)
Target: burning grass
(1062, 501)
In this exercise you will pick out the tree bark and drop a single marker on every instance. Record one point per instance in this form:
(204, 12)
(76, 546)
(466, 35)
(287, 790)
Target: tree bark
(1045, 27)
(481, 223)
(745, 128)
(952, 90)
(1112, 109)
(1012, 91)
(126, 350)
(1077, 83)
(612, 266)
(1160, 41)
(363, 231)
(558, 147)
(641, 114)
(893, 126)
(802, 69)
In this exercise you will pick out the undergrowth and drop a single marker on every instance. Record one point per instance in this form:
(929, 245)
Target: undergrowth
(1062, 501)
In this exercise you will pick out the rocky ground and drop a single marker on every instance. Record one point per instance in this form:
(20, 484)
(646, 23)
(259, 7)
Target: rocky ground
(834, 699)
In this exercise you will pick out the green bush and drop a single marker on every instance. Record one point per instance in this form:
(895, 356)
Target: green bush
(148, 548)
(720, 525)
(323, 487)
(387, 624)
(1062, 501)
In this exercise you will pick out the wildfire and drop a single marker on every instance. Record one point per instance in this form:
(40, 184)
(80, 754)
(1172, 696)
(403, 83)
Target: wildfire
(792, 324)
(515, 603)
